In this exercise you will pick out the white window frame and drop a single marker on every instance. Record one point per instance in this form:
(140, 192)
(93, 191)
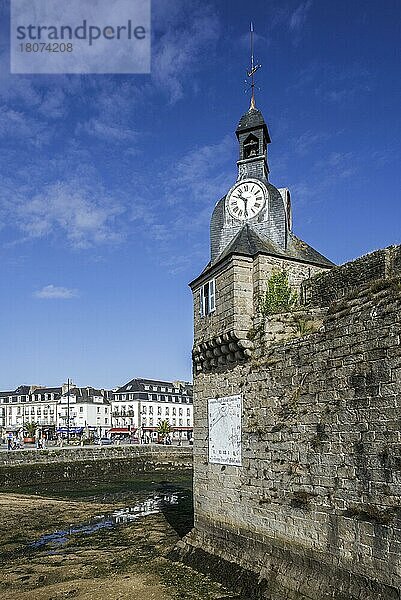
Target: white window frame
(207, 298)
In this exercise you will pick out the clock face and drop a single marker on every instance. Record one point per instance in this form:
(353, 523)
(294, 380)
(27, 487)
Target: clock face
(246, 199)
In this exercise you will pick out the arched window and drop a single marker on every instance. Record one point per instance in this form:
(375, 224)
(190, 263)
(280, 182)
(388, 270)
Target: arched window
(251, 146)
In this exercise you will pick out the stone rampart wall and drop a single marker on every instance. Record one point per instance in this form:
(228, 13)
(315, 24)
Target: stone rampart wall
(315, 509)
(341, 281)
(34, 467)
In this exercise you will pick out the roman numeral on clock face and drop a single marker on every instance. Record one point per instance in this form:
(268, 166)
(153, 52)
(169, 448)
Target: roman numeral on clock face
(247, 200)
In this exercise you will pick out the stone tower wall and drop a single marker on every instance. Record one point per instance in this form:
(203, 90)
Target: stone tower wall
(234, 297)
(314, 512)
(240, 283)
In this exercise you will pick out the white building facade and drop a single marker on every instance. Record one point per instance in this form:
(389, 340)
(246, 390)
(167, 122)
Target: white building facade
(88, 411)
(133, 410)
(141, 405)
(29, 404)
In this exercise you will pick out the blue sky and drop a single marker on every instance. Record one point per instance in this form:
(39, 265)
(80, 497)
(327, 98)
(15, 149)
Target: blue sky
(107, 183)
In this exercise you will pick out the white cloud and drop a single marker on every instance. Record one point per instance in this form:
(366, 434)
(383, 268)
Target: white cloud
(307, 140)
(334, 84)
(52, 292)
(106, 131)
(338, 165)
(53, 104)
(202, 174)
(15, 124)
(73, 210)
(177, 204)
(298, 17)
(333, 169)
(179, 48)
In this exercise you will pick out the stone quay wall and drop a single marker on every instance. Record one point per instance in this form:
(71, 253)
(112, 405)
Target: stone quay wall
(55, 465)
(314, 512)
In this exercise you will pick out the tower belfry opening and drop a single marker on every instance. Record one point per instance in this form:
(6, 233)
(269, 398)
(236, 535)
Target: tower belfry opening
(251, 146)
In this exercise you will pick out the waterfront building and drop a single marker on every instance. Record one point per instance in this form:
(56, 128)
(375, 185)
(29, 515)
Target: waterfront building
(141, 405)
(29, 404)
(88, 411)
(133, 410)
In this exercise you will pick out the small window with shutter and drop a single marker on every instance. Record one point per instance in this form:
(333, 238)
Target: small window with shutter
(208, 298)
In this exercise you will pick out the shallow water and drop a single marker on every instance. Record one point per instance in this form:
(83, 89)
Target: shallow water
(108, 553)
(155, 504)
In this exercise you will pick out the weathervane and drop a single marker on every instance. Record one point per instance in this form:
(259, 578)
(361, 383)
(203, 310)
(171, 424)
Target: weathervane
(253, 69)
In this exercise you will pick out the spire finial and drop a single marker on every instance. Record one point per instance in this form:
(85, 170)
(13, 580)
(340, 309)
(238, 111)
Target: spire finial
(253, 69)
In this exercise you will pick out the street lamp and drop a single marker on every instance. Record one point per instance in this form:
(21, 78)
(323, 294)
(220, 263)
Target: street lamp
(68, 411)
(48, 421)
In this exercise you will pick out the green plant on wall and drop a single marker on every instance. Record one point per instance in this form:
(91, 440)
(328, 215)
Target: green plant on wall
(279, 296)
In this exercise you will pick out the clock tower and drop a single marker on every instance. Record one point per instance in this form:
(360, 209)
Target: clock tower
(250, 237)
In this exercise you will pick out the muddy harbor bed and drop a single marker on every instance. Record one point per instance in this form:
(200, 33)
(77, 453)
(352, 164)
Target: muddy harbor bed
(108, 540)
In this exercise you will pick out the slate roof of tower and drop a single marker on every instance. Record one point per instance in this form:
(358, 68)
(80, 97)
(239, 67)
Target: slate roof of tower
(249, 243)
(300, 250)
(251, 119)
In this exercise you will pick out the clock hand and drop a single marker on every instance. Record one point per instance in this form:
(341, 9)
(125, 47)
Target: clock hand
(245, 201)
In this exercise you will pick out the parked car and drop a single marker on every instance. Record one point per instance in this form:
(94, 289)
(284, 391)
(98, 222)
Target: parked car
(104, 441)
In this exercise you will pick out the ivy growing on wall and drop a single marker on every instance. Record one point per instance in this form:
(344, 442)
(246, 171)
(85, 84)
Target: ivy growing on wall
(279, 296)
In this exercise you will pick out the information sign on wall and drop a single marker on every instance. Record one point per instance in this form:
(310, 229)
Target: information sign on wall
(224, 415)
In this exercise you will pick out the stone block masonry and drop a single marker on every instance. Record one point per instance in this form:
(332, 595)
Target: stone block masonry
(34, 467)
(314, 512)
(341, 281)
(240, 285)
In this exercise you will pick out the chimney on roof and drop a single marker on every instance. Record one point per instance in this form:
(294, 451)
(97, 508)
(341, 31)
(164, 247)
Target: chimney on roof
(64, 387)
(33, 388)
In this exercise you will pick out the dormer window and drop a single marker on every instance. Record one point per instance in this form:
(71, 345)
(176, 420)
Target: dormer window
(207, 298)
(251, 146)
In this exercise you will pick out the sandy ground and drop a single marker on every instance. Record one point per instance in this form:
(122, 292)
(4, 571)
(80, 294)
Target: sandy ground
(122, 563)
